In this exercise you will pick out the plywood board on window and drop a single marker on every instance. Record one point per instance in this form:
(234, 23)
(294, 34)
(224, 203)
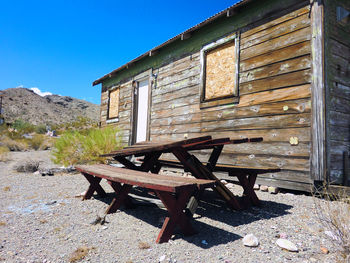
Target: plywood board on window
(220, 71)
(113, 110)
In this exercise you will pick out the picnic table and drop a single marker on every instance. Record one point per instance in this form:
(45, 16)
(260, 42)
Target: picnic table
(174, 192)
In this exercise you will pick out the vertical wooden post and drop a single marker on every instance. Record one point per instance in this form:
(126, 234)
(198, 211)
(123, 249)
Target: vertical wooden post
(318, 128)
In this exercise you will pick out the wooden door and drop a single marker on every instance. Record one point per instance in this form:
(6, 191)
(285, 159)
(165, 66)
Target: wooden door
(141, 112)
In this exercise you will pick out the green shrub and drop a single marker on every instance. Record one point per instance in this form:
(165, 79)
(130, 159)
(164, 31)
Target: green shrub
(81, 147)
(3, 153)
(36, 141)
(23, 127)
(40, 129)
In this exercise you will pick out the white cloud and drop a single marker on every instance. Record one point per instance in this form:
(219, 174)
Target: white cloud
(39, 92)
(20, 86)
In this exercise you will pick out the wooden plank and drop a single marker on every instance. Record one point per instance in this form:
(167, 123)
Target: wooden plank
(339, 119)
(291, 93)
(338, 133)
(177, 102)
(178, 76)
(232, 112)
(282, 19)
(179, 64)
(269, 135)
(254, 160)
(339, 48)
(293, 38)
(176, 86)
(283, 67)
(340, 104)
(318, 152)
(293, 51)
(276, 31)
(340, 90)
(285, 80)
(269, 122)
(190, 91)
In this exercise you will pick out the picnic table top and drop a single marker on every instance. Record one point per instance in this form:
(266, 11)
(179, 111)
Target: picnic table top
(199, 143)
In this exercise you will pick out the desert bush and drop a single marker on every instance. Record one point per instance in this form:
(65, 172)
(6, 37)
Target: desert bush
(36, 141)
(23, 127)
(81, 147)
(40, 129)
(27, 167)
(333, 211)
(14, 144)
(4, 153)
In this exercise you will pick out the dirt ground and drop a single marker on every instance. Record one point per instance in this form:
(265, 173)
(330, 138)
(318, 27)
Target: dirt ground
(42, 220)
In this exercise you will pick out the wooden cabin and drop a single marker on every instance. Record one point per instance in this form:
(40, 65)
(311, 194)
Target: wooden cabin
(270, 68)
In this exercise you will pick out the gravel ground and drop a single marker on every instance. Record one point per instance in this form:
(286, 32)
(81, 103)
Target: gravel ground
(41, 220)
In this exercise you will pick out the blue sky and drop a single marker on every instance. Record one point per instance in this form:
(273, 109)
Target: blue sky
(61, 46)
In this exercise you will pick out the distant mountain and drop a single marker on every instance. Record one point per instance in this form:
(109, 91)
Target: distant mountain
(22, 103)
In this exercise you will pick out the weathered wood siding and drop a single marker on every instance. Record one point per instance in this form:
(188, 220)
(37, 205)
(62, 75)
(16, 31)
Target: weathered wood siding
(337, 47)
(274, 101)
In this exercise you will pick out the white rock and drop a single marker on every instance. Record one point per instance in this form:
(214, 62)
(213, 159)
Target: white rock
(256, 187)
(36, 173)
(273, 190)
(286, 244)
(263, 188)
(230, 185)
(250, 241)
(224, 181)
(331, 235)
(161, 258)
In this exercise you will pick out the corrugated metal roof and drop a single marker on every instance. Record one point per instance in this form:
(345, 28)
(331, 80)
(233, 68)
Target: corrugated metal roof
(224, 12)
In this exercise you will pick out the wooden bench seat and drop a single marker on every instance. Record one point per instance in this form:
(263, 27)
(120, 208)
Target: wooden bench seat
(173, 191)
(246, 177)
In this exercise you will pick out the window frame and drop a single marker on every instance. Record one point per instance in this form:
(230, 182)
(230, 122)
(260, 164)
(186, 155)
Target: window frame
(116, 118)
(232, 98)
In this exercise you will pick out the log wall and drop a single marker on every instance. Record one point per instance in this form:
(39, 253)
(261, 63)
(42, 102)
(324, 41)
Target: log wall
(337, 47)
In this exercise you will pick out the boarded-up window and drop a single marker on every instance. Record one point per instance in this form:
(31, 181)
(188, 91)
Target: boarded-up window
(113, 105)
(220, 71)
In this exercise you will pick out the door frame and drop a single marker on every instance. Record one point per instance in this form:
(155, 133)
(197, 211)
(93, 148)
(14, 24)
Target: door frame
(135, 85)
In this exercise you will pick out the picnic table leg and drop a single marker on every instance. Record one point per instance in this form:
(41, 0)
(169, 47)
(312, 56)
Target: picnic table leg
(247, 182)
(121, 196)
(94, 186)
(117, 189)
(175, 207)
(200, 171)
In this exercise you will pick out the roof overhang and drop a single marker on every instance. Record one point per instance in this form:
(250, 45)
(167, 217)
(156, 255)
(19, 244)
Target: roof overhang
(228, 12)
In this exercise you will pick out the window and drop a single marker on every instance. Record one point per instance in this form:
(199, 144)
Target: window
(219, 72)
(343, 15)
(113, 105)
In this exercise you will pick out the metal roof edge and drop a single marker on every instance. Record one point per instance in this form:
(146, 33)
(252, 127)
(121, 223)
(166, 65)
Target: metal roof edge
(228, 12)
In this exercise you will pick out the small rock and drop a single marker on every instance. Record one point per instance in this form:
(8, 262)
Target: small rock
(224, 181)
(263, 188)
(324, 250)
(36, 173)
(273, 190)
(250, 241)
(331, 234)
(230, 185)
(286, 244)
(283, 235)
(204, 242)
(161, 258)
(51, 203)
(256, 187)
(80, 195)
(104, 228)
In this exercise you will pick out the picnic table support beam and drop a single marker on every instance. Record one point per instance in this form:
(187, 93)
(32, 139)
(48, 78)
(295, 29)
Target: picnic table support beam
(247, 182)
(175, 206)
(94, 186)
(198, 170)
(121, 192)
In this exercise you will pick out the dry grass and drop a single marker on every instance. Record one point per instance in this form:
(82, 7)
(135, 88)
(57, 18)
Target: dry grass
(144, 245)
(4, 153)
(79, 254)
(6, 188)
(15, 144)
(2, 223)
(334, 213)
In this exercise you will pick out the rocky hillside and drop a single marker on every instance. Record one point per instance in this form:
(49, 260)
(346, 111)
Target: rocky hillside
(21, 103)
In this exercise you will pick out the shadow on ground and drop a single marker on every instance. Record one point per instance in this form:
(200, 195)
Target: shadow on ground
(210, 207)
